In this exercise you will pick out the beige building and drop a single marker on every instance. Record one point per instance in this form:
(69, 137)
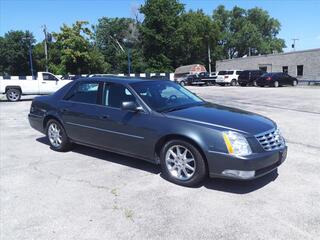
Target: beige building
(305, 65)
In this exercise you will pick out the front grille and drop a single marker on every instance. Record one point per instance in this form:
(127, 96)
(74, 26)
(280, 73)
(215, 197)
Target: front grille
(271, 140)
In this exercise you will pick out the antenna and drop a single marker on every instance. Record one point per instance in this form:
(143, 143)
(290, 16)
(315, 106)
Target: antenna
(294, 43)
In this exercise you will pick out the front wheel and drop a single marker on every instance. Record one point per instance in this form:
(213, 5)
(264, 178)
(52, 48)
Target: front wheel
(182, 163)
(294, 83)
(13, 94)
(57, 136)
(182, 83)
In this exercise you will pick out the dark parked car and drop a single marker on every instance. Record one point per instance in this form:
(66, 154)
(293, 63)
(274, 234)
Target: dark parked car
(276, 79)
(249, 77)
(163, 123)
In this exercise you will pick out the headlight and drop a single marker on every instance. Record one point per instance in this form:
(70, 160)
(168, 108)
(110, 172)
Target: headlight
(236, 143)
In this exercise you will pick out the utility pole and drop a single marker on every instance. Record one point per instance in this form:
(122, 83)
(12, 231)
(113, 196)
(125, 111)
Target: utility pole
(294, 43)
(45, 45)
(209, 58)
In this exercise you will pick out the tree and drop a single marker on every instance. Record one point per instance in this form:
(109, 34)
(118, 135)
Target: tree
(110, 34)
(246, 32)
(160, 40)
(14, 52)
(196, 32)
(78, 54)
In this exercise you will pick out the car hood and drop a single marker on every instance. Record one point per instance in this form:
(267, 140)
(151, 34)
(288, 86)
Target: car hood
(223, 117)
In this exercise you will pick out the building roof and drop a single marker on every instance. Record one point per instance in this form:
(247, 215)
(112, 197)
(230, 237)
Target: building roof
(187, 68)
(272, 54)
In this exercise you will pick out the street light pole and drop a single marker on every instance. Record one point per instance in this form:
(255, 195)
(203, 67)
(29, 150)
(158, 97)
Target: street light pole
(45, 46)
(209, 58)
(30, 55)
(129, 62)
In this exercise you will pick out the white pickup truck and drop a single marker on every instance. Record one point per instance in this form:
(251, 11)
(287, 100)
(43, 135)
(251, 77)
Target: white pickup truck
(44, 83)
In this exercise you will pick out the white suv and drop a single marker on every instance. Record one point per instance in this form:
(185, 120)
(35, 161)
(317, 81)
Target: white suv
(229, 77)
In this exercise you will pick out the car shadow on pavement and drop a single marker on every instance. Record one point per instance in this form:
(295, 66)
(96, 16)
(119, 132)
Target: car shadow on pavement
(224, 185)
(111, 157)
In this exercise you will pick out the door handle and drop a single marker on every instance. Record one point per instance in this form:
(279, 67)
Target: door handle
(104, 117)
(44, 82)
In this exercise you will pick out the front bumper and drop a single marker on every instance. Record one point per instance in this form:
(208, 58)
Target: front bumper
(261, 163)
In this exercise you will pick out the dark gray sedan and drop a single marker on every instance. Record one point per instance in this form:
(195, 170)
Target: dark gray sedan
(163, 123)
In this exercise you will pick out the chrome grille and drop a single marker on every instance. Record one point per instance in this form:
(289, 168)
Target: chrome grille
(271, 140)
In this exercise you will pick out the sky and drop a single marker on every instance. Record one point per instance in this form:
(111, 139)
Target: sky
(299, 18)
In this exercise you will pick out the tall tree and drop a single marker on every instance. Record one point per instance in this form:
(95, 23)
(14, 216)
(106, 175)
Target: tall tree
(158, 33)
(247, 32)
(110, 34)
(14, 52)
(78, 54)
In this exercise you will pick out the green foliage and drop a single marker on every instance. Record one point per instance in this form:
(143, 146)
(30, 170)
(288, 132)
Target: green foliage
(14, 53)
(158, 30)
(168, 37)
(246, 32)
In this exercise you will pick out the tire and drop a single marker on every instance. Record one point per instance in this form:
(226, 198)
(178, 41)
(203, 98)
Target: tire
(191, 173)
(13, 94)
(255, 83)
(294, 83)
(222, 84)
(243, 84)
(182, 83)
(276, 84)
(57, 136)
(233, 82)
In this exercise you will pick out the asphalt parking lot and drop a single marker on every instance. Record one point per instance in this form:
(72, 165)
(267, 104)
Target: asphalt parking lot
(93, 194)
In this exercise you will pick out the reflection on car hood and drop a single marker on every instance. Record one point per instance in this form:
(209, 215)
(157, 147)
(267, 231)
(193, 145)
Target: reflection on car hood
(224, 117)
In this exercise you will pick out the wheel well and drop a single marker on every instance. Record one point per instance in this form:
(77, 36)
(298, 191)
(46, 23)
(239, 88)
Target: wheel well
(13, 87)
(47, 118)
(162, 141)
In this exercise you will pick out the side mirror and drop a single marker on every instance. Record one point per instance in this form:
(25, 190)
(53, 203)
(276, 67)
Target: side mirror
(131, 106)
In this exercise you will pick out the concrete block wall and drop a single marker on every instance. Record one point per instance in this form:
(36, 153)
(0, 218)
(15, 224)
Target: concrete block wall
(310, 59)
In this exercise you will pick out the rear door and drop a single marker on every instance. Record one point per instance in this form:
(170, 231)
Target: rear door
(79, 111)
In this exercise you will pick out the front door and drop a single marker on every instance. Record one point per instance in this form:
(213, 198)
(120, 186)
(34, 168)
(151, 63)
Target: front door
(124, 131)
(48, 84)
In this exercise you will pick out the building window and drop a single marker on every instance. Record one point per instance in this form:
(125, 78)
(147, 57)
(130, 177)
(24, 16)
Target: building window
(300, 70)
(285, 69)
(264, 69)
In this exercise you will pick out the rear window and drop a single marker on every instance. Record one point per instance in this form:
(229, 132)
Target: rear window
(84, 92)
(244, 74)
(238, 72)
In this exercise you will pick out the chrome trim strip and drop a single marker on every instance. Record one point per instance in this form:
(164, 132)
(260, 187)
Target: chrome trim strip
(104, 130)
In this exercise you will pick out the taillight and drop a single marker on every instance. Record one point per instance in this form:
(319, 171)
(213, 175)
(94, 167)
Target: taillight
(268, 78)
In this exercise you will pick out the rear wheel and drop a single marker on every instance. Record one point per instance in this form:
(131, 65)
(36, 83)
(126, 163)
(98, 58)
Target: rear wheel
(233, 82)
(243, 84)
(13, 94)
(182, 163)
(57, 136)
(255, 83)
(182, 83)
(276, 84)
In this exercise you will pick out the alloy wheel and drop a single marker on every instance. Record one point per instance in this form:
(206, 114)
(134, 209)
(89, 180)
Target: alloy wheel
(180, 162)
(14, 95)
(54, 135)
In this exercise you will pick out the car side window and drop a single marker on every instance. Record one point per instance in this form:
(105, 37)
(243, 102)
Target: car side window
(115, 94)
(49, 77)
(86, 92)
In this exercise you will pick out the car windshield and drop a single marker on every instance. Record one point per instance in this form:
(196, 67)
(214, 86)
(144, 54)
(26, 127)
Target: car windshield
(165, 96)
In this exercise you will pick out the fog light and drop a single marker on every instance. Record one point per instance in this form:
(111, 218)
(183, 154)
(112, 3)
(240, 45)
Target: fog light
(239, 173)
